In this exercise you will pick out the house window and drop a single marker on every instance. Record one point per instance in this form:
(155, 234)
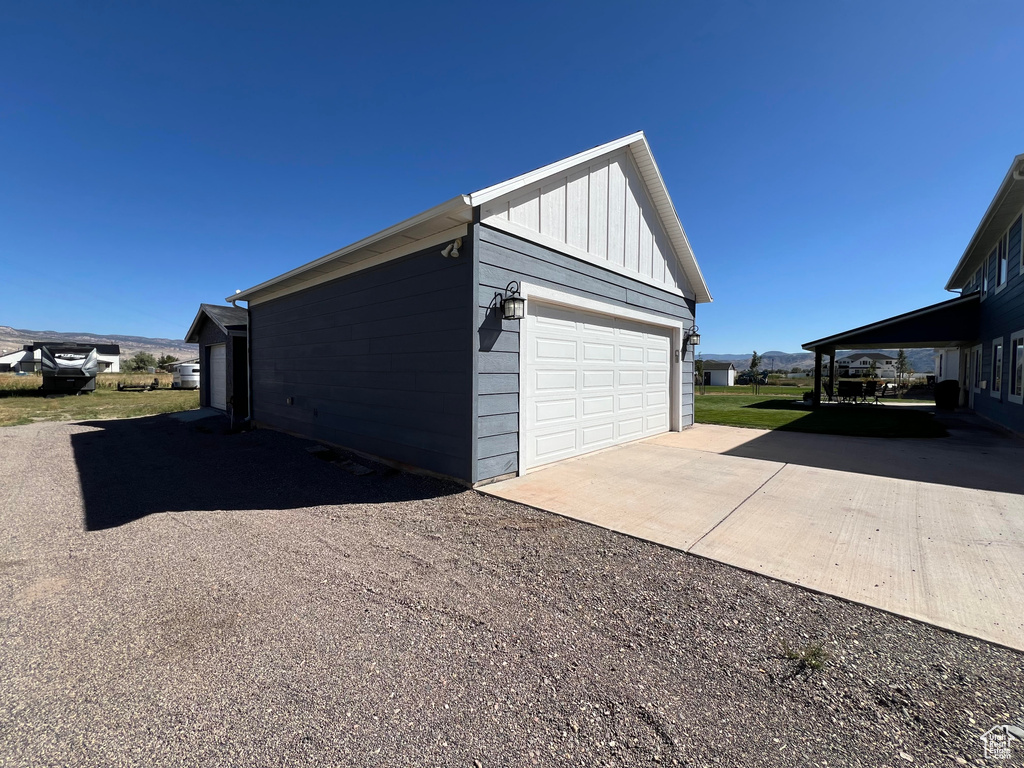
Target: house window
(1016, 392)
(940, 364)
(1000, 254)
(976, 384)
(997, 368)
(984, 277)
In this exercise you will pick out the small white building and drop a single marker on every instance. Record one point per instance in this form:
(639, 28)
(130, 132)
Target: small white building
(859, 364)
(718, 374)
(28, 358)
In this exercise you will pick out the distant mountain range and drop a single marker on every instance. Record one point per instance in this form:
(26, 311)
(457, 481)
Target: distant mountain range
(12, 339)
(921, 360)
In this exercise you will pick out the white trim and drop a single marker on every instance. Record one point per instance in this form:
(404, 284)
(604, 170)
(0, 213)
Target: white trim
(993, 392)
(562, 166)
(574, 301)
(1019, 399)
(518, 230)
(438, 239)
(457, 208)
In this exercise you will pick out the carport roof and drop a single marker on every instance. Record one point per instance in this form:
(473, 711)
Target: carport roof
(946, 324)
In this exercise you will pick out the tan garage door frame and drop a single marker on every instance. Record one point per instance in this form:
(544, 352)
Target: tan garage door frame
(570, 300)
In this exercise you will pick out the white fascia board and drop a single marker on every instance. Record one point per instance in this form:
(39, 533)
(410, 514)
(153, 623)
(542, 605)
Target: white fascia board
(456, 205)
(656, 189)
(499, 190)
(955, 281)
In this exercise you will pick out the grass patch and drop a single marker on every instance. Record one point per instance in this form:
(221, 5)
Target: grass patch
(23, 407)
(795, 416)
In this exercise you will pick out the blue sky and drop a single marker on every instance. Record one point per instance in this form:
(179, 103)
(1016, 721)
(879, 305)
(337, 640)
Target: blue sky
(829, 161)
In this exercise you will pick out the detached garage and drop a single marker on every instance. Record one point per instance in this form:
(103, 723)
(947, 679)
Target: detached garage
(526, 323)
(222, 335)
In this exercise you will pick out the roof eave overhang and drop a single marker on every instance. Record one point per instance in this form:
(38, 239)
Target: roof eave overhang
(456, 205)
(1016, 173)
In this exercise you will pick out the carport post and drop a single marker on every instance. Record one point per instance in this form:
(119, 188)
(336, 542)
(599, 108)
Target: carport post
(832, 369)
(816, 398)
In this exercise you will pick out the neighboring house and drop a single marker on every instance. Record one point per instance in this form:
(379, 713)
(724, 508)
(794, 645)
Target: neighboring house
(860, 365)
(718, 374)
(28, 358)
(979, 336)
(222, 335)
(398, 346)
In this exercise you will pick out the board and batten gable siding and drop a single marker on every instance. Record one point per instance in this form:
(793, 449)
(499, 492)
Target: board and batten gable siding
(1002, 314)
(601, 210)
(502, 258)
(377, 361)
(210, 334)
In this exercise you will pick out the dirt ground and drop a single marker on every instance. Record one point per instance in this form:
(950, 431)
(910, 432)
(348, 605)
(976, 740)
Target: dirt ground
(174, 596)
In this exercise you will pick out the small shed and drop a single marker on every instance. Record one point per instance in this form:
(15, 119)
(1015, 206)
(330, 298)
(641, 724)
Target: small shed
(222, 333)
(718, 374)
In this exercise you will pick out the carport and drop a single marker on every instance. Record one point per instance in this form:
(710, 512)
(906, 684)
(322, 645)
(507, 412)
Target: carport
(952, 323)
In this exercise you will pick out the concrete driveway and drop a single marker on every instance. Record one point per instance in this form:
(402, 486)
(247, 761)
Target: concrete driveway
(928, 529)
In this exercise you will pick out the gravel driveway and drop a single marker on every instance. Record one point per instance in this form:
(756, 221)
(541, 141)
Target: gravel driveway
(174, 596)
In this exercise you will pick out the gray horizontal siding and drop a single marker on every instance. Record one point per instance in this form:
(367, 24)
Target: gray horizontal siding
(375, 361)
(502, 258)
(1002, 314)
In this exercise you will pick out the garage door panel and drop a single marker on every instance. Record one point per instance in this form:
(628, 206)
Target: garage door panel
(556, 445)
(556, 349)
(657, 421)
(558, 411)
(597, 435)
(598, 352)
(631, 402)
(592, 381)
(598, 380)
(631, 354)
(633, 378)
(631, 427)
(656, 378)
(555, 381)
(593, 406)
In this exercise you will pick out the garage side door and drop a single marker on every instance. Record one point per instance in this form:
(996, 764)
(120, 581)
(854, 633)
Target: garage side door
(218, 377)
(591, 381)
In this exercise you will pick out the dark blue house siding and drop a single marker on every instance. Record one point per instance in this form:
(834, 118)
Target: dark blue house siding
(502, 258)
(1002, 314)
(377, 361)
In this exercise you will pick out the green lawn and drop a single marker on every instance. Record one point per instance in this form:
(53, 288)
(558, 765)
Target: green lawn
(24, 407)
(767, 412)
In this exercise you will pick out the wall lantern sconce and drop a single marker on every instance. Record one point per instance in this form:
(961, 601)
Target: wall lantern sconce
(513, 306)
(691, 337)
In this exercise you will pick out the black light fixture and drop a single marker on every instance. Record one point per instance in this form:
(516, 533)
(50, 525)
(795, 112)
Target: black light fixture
(692, 336)
(513, 306)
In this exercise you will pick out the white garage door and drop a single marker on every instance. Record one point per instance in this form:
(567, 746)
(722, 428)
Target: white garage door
(218, 377)
(591, 381)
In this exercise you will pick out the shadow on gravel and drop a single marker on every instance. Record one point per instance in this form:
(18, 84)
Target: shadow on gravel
(131, 468)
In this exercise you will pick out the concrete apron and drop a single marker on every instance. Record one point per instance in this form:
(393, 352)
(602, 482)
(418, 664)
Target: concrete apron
(949, 556)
